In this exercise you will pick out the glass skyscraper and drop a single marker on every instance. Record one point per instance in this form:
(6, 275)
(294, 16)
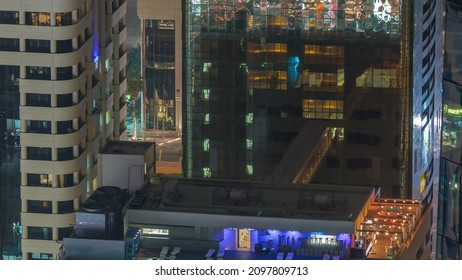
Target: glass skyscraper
(450, 196)
(256, 71)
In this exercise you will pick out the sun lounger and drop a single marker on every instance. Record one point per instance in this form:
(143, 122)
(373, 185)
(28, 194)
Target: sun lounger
(220, 254)
(209, 254)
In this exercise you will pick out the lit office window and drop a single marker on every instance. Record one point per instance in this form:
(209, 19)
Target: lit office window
(249, 144)
(205, 94)
(207, 66)
(207, 118)
(322, 109)
(249, 118)
(206, 145)
(206, 172)
(249, 169)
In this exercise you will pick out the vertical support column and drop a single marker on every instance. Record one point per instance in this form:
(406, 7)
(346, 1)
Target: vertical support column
(75, 16)
(55, 181)
(54, 207)
(23, 152)
(76, 204)
(24, 208)
(24, 178)
(54, 73)
(22, 98)
(54, 127)
(54, 235)
(75, 70)
(23, 127)
(53, 19)
(75, 97)
(22, 18)
(22, 45)
(75, 124)
(54, 100)
(53, 46)
(75, 150)
(54, 154)
(76, 178)
(22, 71)
(75, 43)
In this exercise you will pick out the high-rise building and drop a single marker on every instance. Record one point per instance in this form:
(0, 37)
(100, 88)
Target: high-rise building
(161, 63)
(256, 71)
(368, 72)
(62, 98)
(450, 197)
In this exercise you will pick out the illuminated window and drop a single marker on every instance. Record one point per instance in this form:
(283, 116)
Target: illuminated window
(249, 144)
(207, 66)
(206, 172)
(33, 18)
(249, 118)
(322, 109)
(249, 169)
(206, 94)
(206, 144)
(207, 118)
(109, 117)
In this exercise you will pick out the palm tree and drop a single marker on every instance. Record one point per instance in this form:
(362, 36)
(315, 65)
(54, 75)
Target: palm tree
(135, 85)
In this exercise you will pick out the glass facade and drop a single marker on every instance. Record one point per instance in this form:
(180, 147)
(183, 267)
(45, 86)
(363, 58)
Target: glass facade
(449, 241)
(159, 67)
(10, 152)
(256, 71)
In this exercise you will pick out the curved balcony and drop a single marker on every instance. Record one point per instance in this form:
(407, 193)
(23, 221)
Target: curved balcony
(9, 57)
(54, 87)
(123, 133)
(55, 167)
(120, 37)
(110, 128)
(53, 114)
(121, 88)
(119, 13)
(122, 61)
(49, 5)
(47, 220)
(42, 246)
(54, 140)
(54, 194)
(56, 59)
(54, 32)
(122, 113)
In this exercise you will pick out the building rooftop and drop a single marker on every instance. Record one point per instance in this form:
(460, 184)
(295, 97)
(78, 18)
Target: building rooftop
(127, 147)
(258, 199)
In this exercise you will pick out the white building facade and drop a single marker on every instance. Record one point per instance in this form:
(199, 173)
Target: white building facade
(71, 56)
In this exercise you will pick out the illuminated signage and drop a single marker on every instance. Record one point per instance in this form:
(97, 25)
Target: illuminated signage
(166, 24)
(155, 231)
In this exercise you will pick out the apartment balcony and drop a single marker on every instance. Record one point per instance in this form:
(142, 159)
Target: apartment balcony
(56, 167)
(43, 246)
(118, 12)
(60, 194)
(54, 140)
(55, 87)
(53, 114)
(47, 220)
(53, 32)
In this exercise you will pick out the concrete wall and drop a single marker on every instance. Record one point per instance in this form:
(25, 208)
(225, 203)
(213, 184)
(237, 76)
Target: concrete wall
(93, 249)
(116, 169)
